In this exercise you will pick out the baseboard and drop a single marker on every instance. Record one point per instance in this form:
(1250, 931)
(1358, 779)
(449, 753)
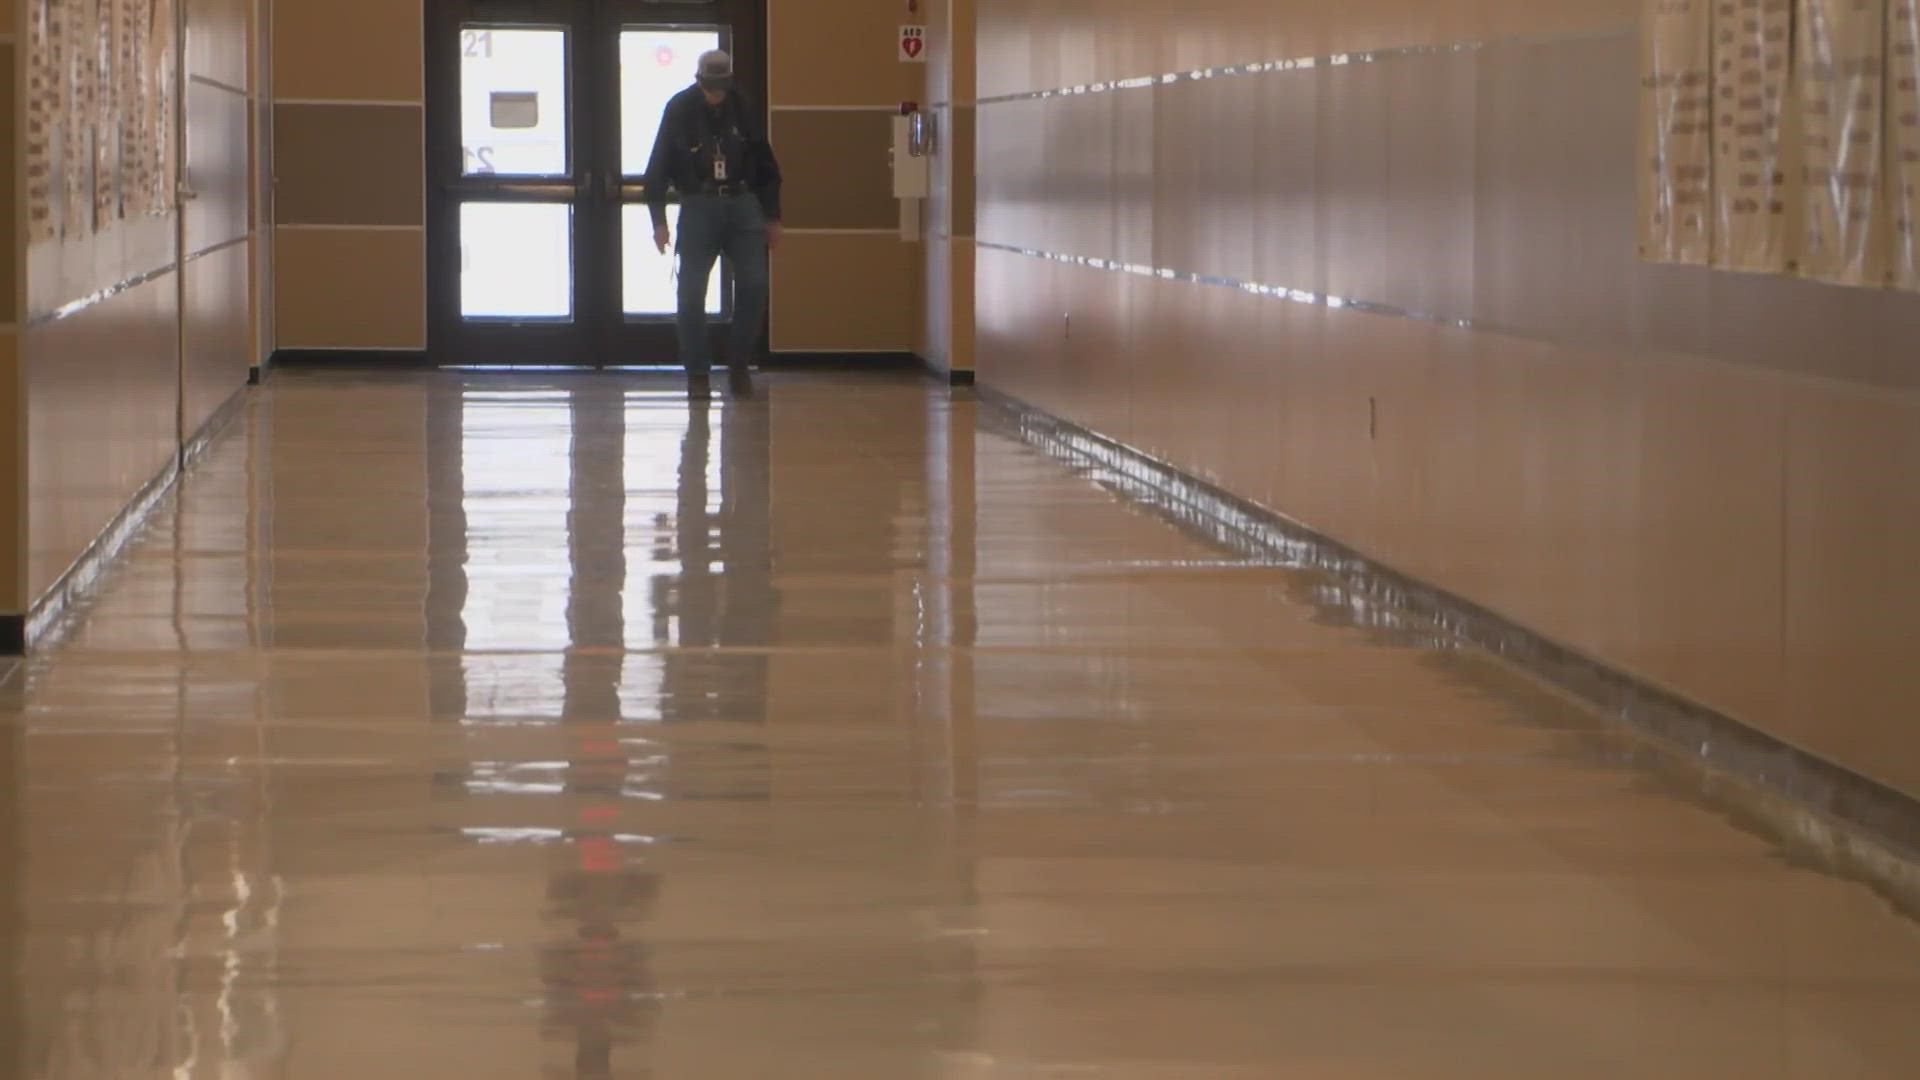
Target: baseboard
(1813, 808)
(202, 440)
(357, 359)
(947, 375)
(400, 359)
(827, 360)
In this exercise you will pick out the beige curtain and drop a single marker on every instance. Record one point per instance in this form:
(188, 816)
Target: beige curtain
(1676, 161)
(1903, 115)
(103, 64)
(1841, 70)
(1752, 69)
(42, 175)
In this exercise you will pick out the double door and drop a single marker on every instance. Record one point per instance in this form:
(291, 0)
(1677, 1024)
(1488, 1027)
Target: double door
(541, 116)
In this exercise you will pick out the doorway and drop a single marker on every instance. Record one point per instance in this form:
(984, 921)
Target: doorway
(541, 116)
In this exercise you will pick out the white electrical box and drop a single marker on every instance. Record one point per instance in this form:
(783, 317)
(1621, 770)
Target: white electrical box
(911, 175)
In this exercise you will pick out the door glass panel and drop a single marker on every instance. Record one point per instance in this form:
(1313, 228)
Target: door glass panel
(655, 64)
(648, 284)
(513, 101)
(516, 260)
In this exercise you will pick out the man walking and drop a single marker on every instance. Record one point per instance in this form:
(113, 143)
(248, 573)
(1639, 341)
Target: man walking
(713, 150)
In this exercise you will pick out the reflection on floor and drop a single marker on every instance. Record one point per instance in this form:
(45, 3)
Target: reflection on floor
(481, 726)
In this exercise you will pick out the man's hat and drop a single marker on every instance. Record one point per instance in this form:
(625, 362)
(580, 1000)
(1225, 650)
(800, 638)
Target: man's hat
(716, 70)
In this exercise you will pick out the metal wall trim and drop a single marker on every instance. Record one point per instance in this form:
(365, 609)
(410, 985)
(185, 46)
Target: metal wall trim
(1255, 288)
(1300, 63)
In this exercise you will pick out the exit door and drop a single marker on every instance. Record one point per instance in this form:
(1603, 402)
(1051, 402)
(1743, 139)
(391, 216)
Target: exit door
(541, 116)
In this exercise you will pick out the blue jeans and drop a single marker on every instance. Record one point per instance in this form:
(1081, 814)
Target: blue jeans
(712, 226)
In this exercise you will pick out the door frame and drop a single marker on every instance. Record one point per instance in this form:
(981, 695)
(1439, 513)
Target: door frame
(599, 333)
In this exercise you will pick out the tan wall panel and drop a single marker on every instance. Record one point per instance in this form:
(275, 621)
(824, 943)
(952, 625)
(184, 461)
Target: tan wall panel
(102, 389)
(348, 165)
(960, 349)
(962, 81)
(835, 167)
(348, 50)
(847, 291)
(217, 352)
(12, 466)
(350, 288)
(960, 138)
(839, 52)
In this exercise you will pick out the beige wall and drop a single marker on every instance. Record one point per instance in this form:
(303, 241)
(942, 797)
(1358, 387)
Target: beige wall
(951, 66)
(349, 198)
(845, 281)
(13, 509)
(102, 390)
(1704, 478)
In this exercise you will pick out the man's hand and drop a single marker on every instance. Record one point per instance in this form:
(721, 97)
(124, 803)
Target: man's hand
(661, 238)
(775, 231)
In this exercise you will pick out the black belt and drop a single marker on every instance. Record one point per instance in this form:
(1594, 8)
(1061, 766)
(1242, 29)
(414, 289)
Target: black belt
(724, 189)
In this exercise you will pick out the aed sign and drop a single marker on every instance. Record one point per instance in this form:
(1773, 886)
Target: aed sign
(913, 44)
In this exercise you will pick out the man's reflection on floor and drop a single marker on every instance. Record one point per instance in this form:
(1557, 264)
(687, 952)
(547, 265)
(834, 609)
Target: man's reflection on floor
(699, 659)
(598, 976)
(715, 619)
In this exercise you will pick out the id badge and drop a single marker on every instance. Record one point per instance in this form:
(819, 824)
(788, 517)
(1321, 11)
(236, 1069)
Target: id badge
(720, 170)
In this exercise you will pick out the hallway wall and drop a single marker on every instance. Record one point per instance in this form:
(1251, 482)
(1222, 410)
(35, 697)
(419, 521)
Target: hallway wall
(1704, 478)
(107, 395)
(13, 509)
(351, 259)
(952, 63)
(349, 206)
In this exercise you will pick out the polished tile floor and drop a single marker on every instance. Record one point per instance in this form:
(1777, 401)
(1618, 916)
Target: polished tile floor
(541, 726)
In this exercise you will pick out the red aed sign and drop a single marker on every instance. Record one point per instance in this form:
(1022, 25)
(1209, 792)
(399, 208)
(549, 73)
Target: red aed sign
(913, 44)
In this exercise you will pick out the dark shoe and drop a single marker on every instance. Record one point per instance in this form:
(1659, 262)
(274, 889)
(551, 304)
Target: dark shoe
(740, 380)
(699, 387)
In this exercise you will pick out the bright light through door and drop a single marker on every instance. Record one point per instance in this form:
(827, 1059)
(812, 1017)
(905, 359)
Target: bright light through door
(516, 260)
(647, 282)
(654, 66)
(513, 101)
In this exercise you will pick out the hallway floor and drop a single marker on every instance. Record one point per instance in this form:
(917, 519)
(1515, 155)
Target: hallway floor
(473, 726)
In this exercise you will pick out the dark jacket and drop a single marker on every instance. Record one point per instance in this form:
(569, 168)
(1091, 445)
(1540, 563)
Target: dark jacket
(685, 127)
